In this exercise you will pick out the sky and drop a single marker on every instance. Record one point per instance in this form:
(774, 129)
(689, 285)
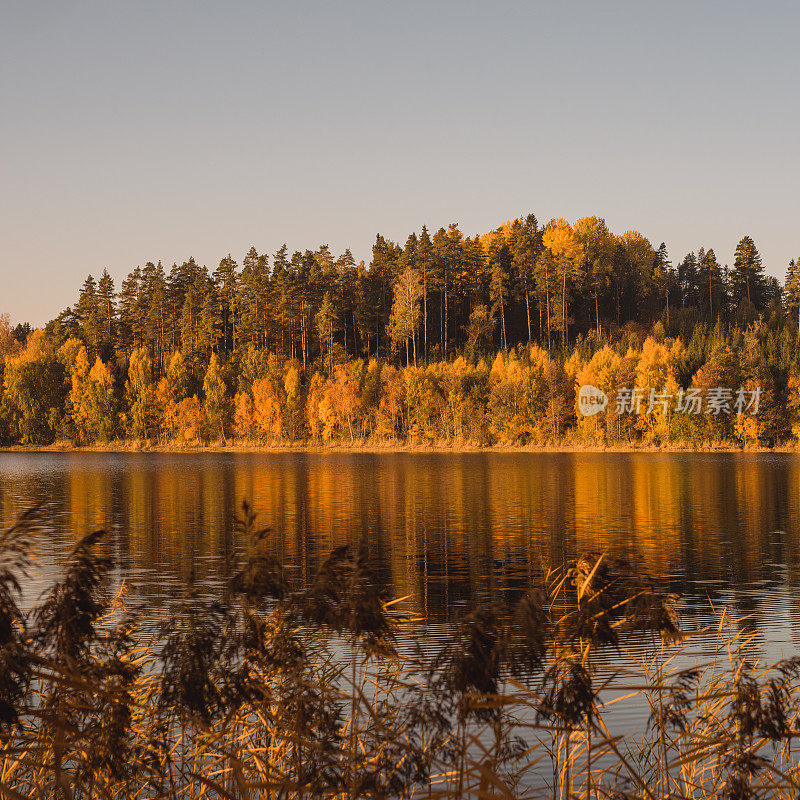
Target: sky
(133, 132)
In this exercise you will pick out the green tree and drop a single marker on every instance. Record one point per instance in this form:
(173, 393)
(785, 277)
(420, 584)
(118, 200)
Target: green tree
(664, 276)
(598, 253)
(140, 393)
(792, 288)
(525, 243)
(748, 274)
(91, 399)
(106, 312)
(711, 276)
(34, 392)
(327, 323)
(215, 403)
(406, 311)
(498, 259)
(88, 314)
(226, 281)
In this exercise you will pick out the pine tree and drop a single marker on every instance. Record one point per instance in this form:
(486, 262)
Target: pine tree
(87, 313)
(748, 273)
(689, 281)
(711, 276)
(498, 257)
(254, 300)
(107, 310)
(792, 288)
(525, 244)
(425, 265)
(662, 269)
(225, 283)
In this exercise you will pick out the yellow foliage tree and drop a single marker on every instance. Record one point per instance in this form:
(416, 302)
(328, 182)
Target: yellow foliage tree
(567, 252)
(601, 372)
(91, 400)
(657, 378)
(243, 422)
(269, 400)
(169, 392)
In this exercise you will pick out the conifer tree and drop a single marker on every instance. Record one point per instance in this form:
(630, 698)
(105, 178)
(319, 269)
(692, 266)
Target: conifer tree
(664, 275)
(87, 313)
(792, 288)
(748, 273)
(711, 275)
(525, 244)
(106, 310)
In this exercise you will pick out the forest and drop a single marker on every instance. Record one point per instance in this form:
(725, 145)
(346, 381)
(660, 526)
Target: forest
(446, 339)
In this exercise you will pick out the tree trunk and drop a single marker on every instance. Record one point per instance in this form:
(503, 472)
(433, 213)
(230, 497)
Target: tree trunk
(528, 311)
(425, 311)
(547, 302)
(597, 314)
(446, 326)
(503, 323)
(710, 298)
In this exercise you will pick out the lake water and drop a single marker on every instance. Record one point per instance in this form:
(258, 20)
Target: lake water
(447, 530)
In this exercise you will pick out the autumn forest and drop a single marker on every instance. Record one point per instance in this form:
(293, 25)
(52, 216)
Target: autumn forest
(445, 339)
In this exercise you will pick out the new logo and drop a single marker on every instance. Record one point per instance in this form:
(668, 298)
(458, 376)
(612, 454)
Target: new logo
(591, 400)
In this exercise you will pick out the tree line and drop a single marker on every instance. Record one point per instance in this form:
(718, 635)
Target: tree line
(314, 346)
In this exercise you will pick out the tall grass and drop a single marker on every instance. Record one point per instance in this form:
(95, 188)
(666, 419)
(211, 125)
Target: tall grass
(278, 691)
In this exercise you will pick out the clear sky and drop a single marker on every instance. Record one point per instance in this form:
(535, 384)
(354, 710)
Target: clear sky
(159, 130)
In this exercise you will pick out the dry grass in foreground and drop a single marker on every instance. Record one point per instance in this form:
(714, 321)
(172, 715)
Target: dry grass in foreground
(274, 691)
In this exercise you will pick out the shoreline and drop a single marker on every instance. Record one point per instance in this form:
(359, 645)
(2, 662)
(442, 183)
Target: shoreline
(388, 448)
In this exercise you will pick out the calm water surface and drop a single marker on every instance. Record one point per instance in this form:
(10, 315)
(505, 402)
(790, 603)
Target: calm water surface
(446, 530)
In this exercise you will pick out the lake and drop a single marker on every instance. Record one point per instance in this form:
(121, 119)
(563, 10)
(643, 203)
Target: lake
(446, 530)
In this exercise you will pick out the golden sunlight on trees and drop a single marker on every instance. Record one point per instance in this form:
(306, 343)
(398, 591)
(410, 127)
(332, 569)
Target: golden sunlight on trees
(406, 311)
(140, 394)
(566, 250)
(34, 389)
(91, 401)
(216, 402)
(308, 345)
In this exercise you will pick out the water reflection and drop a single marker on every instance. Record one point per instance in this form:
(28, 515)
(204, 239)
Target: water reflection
(446, 529)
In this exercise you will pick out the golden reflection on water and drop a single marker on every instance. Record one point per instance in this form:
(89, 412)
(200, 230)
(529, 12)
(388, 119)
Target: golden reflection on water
(446, 529)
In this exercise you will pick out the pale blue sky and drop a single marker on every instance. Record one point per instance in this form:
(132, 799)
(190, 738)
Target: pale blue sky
(137, 131)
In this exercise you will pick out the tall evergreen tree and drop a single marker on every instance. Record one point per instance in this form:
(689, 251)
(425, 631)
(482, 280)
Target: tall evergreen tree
(525, 244)
(88, 315)
(107, 311)
(792, 288)
(713, 284)
(225, 285)
(748, 273)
